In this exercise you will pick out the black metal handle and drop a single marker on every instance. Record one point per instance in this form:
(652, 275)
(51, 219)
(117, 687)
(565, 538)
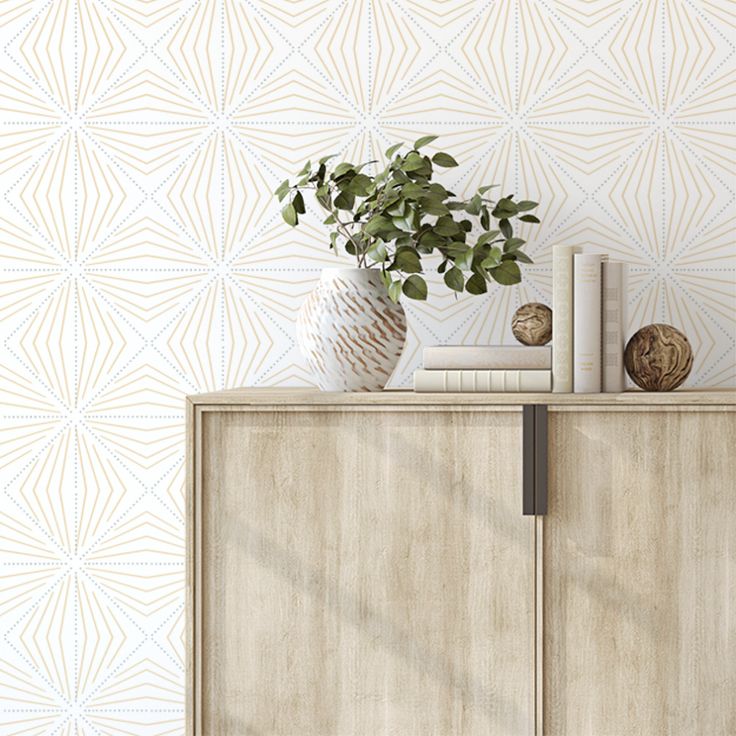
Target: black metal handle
(540, 460)
(534, 459)
(528, 461)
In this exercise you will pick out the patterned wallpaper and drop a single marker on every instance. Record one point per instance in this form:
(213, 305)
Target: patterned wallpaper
(142, 256)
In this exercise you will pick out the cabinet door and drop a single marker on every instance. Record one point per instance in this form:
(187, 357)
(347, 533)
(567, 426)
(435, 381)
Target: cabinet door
(363, 573)
(639, 558)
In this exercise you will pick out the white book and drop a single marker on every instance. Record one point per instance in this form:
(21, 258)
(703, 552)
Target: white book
(482, 381)
(614, 324)
(485, 357)
(587, 323)
(562, 314)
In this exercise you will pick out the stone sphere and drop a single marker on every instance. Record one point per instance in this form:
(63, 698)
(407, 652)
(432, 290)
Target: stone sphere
(658, 358)
(532, 324)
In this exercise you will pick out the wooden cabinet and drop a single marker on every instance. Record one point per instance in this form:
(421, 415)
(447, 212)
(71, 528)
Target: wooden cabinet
(359, 565)
(639, 573)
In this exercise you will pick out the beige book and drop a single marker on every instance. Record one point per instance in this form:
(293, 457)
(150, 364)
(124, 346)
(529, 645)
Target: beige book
(614, 325)
(562, 314)
(487, 357)
(587, 323)
(482, 381)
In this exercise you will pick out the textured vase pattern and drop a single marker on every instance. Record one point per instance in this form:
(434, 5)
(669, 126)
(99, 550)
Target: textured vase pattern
(350, 332)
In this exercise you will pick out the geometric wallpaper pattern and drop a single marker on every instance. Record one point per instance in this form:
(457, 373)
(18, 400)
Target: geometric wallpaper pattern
(143, 257)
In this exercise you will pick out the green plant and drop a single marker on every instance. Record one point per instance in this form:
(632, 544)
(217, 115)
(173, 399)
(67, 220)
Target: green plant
(392, 219)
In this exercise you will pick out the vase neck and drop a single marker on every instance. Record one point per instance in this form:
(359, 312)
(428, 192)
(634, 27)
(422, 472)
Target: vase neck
(366, 276)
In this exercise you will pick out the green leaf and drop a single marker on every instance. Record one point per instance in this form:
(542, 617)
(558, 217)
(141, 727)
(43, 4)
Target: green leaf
(464, 261)
(377, 252)
(394, 291)
(377, 224)
(329, 220)
(391, 150)
(505, 208)
(444, 160)
(424, 141)
(413, 191)
(282, 189)
(523, 257)
(512, 244)
(473, 206)
(307, 167)
(345, 201)
(398, 210)
(404, 223)
(289, 215)
(298, 203)
(429, 239)
(360, 185)
(506, 230)
(433, 207)
(476, 285)
(342, 169)
(407, 260)
(492, 259)
(507, 273)
(526, 204)
(487, 237)
(414, 162)
(454, 279)
(485, 220)
(483, 190)
(415, 287)
(333, 240)
(529, 218)
(446, 226)
(455, 248)
(325, 159)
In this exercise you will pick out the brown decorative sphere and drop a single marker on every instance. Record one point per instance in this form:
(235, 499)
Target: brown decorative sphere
(532, 324)
(658, 358)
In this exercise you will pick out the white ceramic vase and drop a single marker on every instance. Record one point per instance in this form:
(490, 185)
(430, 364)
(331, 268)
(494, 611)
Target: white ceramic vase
(350, 332)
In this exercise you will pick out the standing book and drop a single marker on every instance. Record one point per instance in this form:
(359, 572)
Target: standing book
(614, 325)
(562, 317)
(587, 322)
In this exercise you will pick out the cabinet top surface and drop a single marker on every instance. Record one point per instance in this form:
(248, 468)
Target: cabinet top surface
(313, 397)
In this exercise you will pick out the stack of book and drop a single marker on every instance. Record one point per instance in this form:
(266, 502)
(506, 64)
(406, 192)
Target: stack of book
(470, 368)
(588, 337)
(588, 321)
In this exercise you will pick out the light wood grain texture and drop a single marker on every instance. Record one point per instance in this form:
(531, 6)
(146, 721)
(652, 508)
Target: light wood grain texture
(300, 397)
(363, 573)
(640, 575)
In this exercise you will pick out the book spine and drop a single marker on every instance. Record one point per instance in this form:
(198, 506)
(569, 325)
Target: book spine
(470, 381)
(562, 317)
(614, 325)
(587, 323)
(446, 358)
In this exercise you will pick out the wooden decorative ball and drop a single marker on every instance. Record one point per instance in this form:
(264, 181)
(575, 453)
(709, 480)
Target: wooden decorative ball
(532, 324)
(658, 358)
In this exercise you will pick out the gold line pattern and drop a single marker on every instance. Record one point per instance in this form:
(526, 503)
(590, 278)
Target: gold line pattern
(143, 257)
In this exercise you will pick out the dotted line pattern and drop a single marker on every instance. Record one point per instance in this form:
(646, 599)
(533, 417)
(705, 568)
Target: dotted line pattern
(150, 55)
